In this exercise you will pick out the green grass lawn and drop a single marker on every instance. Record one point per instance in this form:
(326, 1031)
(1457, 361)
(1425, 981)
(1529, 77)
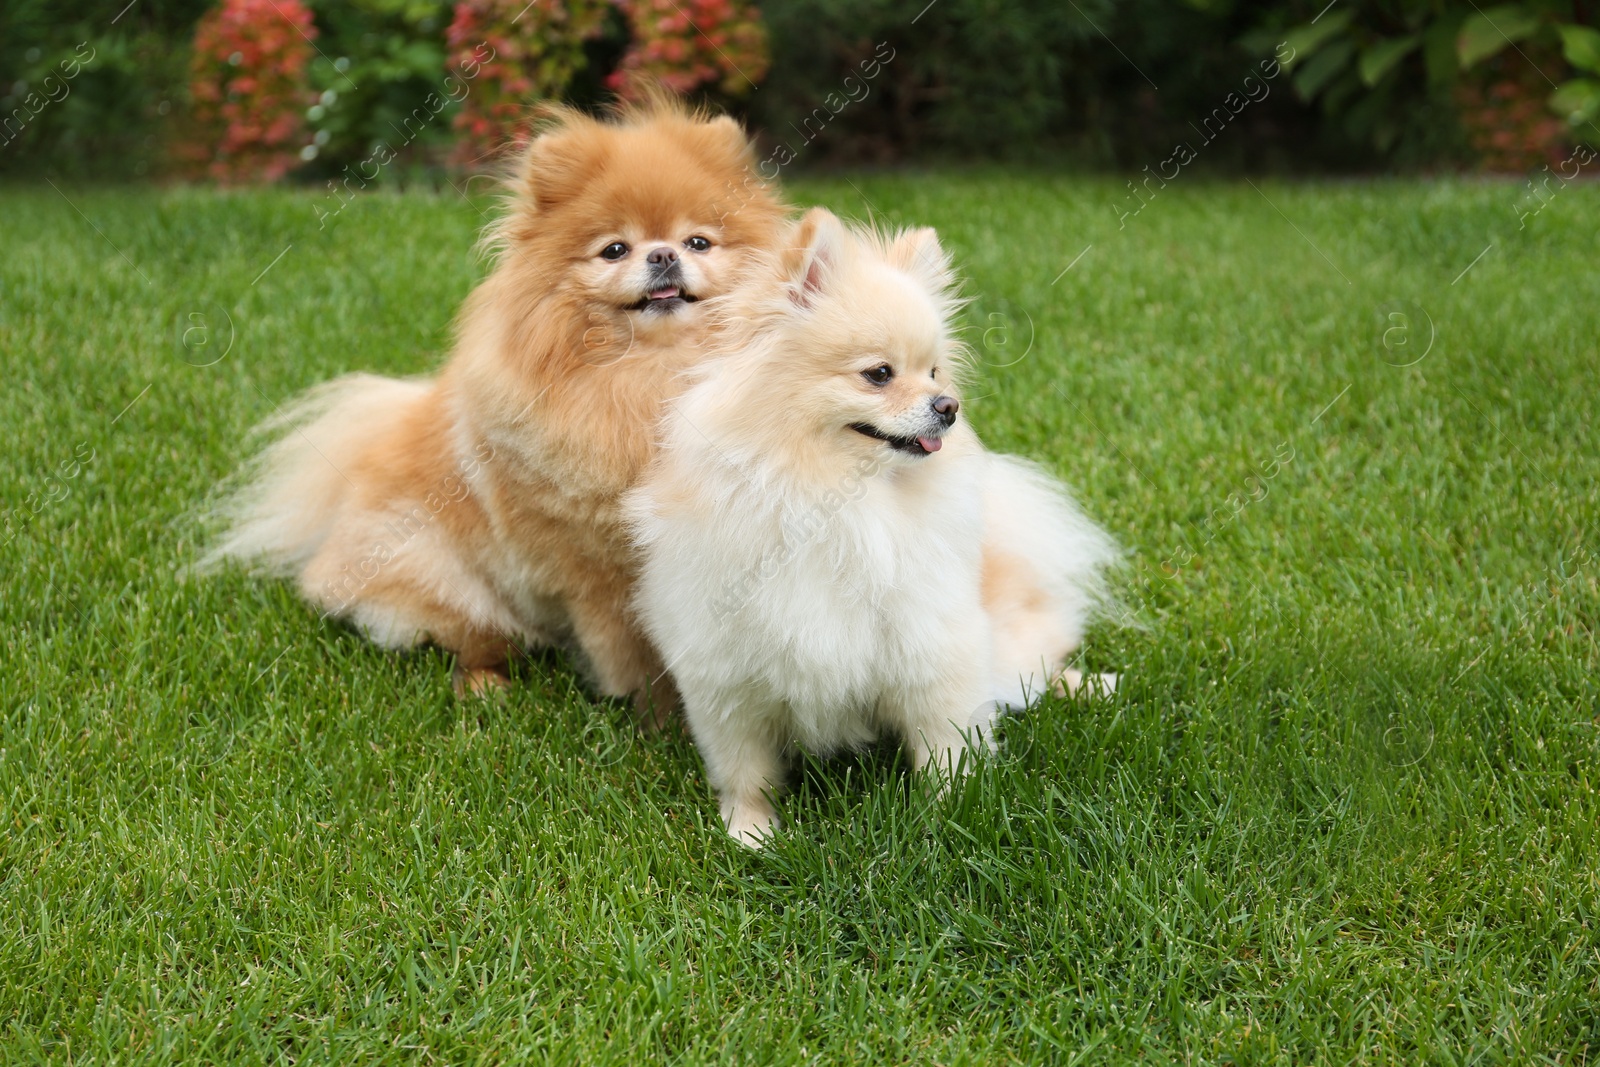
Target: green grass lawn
(1343, 808)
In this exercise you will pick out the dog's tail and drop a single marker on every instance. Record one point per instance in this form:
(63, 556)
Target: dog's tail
(291, 496)
(1046, 568)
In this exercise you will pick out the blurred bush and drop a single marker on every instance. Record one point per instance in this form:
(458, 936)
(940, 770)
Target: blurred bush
(378, 61)
(110, 120)
(1104, 81)
(248, 90)
(687, 46)
(1374, 82)
(1392, 74)
(405, 87)
(885, 80)
(508, 54)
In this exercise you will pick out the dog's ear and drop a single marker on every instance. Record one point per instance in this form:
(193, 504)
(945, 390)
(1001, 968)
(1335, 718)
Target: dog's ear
(725, 140)
(919, 254)
(560, 157)
(813, 255)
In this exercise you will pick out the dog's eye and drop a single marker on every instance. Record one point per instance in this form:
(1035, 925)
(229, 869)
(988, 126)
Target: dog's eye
(879, 375)
(697, 243)
(934, 374)
(615, 250)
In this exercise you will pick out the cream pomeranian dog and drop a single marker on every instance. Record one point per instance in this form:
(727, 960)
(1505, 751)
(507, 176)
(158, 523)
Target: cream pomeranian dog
(829, 552)
(480, 510)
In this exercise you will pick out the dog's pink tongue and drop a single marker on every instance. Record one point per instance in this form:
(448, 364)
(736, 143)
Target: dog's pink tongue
(663, 294)
(930, 444)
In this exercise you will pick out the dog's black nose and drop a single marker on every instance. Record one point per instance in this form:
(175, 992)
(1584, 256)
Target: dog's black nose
(661, 257)
(946, 407)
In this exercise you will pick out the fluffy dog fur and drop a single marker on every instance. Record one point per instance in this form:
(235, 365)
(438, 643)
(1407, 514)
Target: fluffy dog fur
(829, 550)
(479, 510)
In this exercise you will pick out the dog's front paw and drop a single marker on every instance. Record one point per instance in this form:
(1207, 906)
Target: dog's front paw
(478, 681)
(750, 824)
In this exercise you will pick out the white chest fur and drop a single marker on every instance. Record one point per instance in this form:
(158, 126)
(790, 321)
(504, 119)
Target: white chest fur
(819, 600)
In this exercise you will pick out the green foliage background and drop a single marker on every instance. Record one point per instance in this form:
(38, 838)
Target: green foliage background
(1092, 82)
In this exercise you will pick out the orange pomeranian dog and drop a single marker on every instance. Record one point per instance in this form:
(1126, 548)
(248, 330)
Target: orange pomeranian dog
(479, 510)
